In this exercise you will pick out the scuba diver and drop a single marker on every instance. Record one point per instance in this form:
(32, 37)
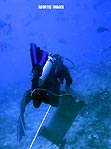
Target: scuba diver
(49, 73)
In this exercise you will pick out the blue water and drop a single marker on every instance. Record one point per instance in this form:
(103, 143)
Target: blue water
(81, 32)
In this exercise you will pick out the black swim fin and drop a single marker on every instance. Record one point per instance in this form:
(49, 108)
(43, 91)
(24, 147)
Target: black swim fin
(20, 128)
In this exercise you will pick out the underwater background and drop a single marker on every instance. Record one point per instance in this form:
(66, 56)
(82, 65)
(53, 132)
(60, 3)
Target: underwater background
(80, 32)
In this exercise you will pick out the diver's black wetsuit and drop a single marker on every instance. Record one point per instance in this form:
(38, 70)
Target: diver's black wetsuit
(58, 73)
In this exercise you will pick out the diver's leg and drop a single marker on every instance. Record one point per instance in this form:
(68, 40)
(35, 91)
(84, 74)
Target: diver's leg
(37, 72)
(25, 100)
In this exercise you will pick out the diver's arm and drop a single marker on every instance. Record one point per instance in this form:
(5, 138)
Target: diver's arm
(67, 77)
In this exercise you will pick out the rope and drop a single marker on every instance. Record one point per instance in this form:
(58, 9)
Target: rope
(39, 127)
(39, 89)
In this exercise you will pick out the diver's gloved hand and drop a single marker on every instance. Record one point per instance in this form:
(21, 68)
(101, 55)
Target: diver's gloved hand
(67, 88)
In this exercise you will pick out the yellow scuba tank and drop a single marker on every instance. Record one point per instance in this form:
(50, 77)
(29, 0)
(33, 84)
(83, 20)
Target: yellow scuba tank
(46, 69)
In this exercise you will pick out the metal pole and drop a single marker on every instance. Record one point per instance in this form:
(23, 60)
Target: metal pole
(39, 127)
